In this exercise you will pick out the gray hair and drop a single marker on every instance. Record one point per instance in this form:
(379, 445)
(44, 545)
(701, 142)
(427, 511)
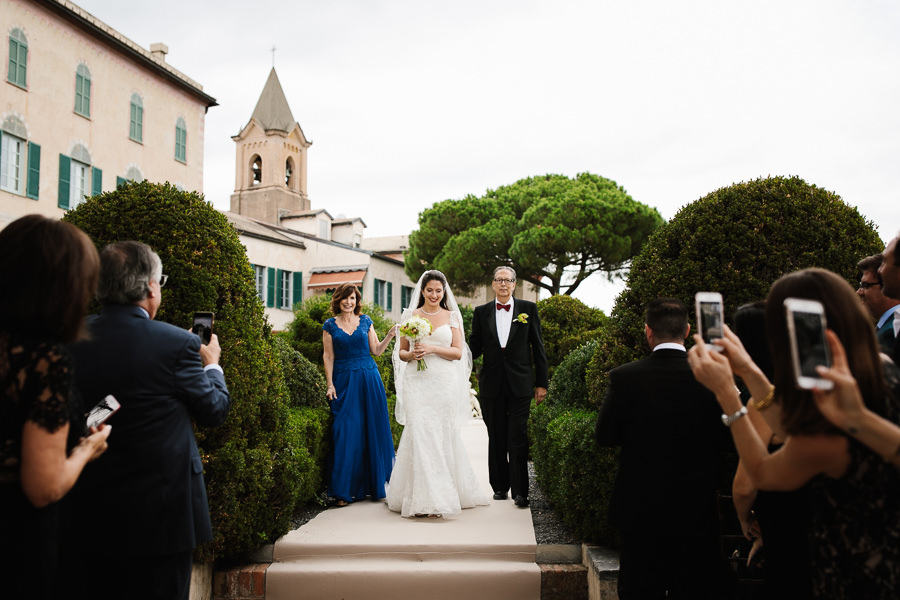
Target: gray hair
(505, 268)
(126, 270)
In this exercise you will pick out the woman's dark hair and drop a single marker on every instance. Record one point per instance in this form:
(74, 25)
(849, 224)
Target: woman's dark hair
(750, 326)
(433, 276)
(48, 274)
(845, 315)
(345, 290)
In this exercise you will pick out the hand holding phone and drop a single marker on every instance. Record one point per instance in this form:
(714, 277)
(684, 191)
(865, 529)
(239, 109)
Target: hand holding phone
(203, 325)
(103, 411)
(710, 318)
(809, 348)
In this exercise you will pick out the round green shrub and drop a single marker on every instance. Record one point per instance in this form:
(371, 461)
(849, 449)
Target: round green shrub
(568, 386)
(252, 462)
(305, 384)
(566, 324)
(737, 240)
(575, 474)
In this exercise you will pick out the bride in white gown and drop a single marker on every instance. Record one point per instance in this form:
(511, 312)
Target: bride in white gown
(432, 475)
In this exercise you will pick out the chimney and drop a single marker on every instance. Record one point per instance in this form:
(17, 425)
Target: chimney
(159, 51)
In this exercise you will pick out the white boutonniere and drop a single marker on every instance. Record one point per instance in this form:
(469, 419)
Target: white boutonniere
(522, 318)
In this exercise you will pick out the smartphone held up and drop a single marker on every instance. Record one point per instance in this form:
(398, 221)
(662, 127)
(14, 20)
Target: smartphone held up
(809, 347)
(102, 411)
(203, 325)
(710, 318)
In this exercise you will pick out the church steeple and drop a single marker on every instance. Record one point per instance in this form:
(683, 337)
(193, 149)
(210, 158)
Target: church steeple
(270, 177)
(272, 110)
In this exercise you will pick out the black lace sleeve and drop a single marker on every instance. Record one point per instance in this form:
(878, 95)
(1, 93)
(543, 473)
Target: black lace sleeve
(43, 378)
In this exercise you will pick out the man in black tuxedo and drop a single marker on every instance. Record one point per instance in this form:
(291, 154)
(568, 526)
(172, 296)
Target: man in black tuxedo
(673, 440)
(508, 332)
(882, 307)
(134, 518)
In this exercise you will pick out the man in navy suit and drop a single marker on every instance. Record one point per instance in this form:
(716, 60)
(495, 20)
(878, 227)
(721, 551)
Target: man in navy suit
(664, 501)
(889, 272)
(508, 332)
(882, 308)
(134, 518)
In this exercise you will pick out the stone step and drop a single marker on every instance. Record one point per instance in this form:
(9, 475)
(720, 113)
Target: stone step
(392, 578)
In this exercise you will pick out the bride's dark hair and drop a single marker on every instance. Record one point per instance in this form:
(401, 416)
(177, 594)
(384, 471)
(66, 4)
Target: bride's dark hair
(433, 276)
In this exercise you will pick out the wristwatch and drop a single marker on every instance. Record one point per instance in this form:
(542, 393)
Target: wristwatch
(727, 420)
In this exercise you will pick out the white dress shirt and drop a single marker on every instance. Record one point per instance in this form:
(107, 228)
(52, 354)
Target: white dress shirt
(504, 321)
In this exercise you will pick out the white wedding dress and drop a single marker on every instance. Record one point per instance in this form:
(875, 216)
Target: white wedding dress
(432, 473)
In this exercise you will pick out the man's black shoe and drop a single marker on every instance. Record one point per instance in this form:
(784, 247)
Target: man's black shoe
(500, 496)
(521, 501)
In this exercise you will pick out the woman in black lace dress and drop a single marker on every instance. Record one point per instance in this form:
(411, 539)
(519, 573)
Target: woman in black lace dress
(854, 493)
(48, 273)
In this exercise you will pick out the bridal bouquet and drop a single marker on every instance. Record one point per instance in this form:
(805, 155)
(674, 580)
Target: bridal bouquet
(415, 329)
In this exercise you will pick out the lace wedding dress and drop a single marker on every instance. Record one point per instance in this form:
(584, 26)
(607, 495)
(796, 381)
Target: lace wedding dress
(433, 474)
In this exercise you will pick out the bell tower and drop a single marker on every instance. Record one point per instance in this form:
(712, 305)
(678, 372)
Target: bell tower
(270, 173)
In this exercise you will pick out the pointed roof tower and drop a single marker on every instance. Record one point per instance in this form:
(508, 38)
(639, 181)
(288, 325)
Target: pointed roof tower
(270, 178)
(272, 110)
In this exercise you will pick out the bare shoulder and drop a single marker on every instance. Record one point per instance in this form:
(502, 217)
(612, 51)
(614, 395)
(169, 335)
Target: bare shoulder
(828, 452)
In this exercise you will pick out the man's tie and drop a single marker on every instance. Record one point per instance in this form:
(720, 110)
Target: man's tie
(503, 307)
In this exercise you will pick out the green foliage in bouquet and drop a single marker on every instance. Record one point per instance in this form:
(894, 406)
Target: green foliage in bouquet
(257, 463)
(737, 240)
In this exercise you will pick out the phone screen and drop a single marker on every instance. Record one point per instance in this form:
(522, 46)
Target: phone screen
(710, 321)
(102, 411)
(202, 326)
(812, 348)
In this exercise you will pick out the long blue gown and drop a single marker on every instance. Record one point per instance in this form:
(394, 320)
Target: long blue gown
(363, 450)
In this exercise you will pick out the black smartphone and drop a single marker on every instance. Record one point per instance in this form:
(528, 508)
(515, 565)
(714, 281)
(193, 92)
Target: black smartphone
(809, 348)
(203, 325)
(103, 411)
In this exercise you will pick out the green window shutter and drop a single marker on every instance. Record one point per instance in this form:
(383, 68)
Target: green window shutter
(96, 181)
(18, 61)
(120, 181)
(270, 285)
(298, 288)
(390, 296)
(65, 173)
(279, 288)
(34, 171)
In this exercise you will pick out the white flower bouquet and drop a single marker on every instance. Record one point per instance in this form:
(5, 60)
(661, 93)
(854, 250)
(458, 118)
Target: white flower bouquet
(415, 329)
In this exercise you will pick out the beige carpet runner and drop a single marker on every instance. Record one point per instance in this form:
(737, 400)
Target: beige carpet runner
(366, 552)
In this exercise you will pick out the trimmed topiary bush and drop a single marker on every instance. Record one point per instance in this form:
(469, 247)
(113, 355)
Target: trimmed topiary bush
(254, 462)
(576, 475)
(566, 324)
(305, 384)
(568, 387)
(737, 240)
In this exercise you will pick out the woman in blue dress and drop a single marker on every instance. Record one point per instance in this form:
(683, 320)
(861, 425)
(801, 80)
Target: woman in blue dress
(362, 446)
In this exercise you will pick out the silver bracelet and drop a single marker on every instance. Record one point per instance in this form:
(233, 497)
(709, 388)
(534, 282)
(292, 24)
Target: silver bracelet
(727, 420)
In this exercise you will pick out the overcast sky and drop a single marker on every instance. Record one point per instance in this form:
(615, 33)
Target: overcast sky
(410, 102)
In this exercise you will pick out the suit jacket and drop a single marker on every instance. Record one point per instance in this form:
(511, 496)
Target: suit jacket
(670, 429)
(145, 495)
(523, 364)
(886, 338)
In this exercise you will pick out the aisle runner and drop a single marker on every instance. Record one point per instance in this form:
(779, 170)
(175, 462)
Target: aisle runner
(366, 552)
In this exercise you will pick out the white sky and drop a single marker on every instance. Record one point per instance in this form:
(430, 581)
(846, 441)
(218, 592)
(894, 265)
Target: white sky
(410, 102)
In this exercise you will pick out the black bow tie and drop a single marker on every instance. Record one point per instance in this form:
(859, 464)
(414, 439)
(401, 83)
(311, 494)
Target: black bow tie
(503, 307)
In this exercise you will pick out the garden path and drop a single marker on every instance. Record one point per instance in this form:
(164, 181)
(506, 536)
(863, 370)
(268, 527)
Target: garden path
(365, 551)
